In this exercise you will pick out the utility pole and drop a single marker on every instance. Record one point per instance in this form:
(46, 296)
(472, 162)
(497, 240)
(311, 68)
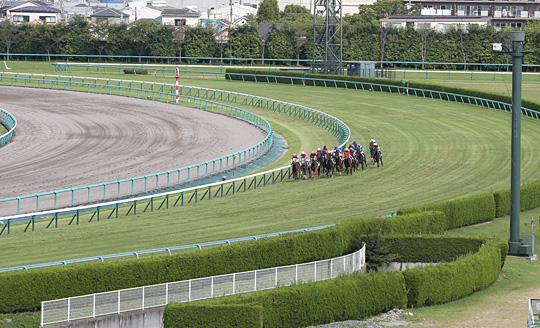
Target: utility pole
(520, 245)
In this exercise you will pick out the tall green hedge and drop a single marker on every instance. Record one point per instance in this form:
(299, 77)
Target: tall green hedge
(347, 297)
(196, 315)
(461, 212)
(529, 198)
(339, 81)
(36, 285)
(429, 248)
(476, 264)
(450, 281)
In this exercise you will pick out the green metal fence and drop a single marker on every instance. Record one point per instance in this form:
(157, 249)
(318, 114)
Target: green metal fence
(202, 98)
(10, 122)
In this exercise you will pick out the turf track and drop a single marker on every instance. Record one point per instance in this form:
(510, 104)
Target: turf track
(433, 151)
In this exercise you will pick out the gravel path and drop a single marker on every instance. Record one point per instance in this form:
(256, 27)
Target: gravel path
(66, 139)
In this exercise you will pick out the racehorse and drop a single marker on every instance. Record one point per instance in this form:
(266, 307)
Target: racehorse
(339, 163)
(377, 156)
(361, 159)
(314, 167)
(295, 167)
(348, 165)
(304, 165)
(329, 165)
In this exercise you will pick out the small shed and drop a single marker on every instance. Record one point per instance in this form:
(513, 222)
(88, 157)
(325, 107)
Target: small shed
(361, 68)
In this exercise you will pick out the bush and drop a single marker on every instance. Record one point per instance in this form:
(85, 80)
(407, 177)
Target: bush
(431, 249)
(136, 71)
(347, 297)
(460, 212)
(448, 282)
(212, 315)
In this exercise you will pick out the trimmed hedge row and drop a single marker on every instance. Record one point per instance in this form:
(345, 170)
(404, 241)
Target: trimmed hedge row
(136, 71)
(335, 80)
(529, 198)
(196, 315)
(432, 249)
(358, 296)
(36, 285)
(460, 212)
(308, 304)
(450, 281)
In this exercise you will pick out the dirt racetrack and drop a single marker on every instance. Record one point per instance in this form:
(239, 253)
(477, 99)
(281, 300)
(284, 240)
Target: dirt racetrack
(71, 139)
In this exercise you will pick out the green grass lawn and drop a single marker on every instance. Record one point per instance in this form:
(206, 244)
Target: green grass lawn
(2, 130)
(433, 151)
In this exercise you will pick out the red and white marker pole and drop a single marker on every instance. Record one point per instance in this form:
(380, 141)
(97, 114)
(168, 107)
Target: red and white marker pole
(177, 76)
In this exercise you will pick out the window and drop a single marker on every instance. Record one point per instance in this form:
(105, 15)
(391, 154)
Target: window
(48, 19)
(21, 19)
(179, 22)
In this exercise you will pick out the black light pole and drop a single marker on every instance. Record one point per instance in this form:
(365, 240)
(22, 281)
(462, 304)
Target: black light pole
(516, 242)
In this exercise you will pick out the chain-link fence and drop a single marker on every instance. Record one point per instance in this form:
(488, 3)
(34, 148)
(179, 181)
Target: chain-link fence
(90, 306)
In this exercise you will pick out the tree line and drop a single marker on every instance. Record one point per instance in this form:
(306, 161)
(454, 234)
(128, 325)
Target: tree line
(290, 37)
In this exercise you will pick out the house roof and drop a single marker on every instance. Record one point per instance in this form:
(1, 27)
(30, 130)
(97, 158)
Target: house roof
(109, 13)
(184, 12)
(36, 9)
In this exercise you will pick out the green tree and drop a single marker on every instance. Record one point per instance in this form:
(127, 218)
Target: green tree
(280, 43)
(100, 32)
(383, 9)
(200, 42)
(118, 41)
(300, 22)
(140, 33)
(268, 12)
(8, 35)
(161, 43)
(293, 13)
(244, 42)
(78, 39)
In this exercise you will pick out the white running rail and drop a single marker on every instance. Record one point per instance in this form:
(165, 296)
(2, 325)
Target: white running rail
(139, 298)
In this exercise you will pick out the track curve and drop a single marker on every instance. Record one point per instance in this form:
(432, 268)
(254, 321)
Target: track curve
(66, 139)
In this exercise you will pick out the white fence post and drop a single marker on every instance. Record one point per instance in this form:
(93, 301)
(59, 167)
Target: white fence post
(296, 274)
(166, 293)
(315, 271)
(331, 268)
(94, 306)
(189, 291)
(69, 309)
(255, 282)
(118, 301)
(212, 288)
(275, 284)
(143, 297)
(233, 283)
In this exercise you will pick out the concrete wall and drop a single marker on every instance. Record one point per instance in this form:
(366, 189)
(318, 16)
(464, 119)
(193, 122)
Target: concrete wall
(150, 318)
(398, 266)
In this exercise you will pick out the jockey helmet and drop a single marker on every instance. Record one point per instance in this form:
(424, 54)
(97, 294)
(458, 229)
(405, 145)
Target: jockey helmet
(354, 141)
(294, 155)
(313, 153)
(325, 148)
(318, 149)
(346, 149)
(335, 147)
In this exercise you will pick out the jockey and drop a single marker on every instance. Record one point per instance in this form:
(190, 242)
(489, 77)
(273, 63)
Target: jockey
(303, 157)
(351, 148)
(376, 147)
(346, 153)
(337, 151)
(355, 144)
(319, 154)
(294, 158)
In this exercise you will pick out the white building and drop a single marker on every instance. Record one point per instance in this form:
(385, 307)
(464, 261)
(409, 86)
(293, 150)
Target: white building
(436, 22)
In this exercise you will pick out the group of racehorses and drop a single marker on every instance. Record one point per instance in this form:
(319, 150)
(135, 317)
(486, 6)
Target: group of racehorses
(330, 161)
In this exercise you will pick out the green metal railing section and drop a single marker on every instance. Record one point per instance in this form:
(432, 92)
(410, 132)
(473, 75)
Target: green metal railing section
(202, 98)
(10, 122)
(143, 204)
(392, 89)
(146, 183)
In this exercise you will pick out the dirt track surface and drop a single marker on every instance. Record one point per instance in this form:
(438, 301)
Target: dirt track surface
(69, 139)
